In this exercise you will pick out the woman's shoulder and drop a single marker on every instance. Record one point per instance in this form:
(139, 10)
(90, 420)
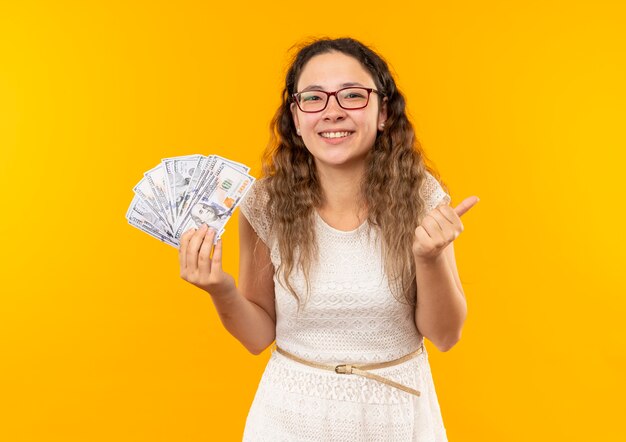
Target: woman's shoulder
(257, 191)
(254, 207)
(433, 192)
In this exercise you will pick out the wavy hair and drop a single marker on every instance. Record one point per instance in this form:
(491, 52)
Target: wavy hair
(390, 189)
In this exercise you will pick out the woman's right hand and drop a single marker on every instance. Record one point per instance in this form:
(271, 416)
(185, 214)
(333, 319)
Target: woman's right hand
(198, 267)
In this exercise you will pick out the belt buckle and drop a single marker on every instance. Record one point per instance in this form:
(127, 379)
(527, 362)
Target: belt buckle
(344, 369)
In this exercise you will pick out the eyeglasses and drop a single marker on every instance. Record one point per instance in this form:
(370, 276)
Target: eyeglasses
(348, 98)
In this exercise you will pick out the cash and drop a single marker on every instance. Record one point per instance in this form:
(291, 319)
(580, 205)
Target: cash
(182, 193)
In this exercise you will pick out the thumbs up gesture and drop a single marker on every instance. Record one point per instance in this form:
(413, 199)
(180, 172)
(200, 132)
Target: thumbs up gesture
(440, 227)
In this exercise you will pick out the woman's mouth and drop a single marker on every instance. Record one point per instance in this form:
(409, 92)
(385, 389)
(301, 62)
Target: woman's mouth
(336, 137)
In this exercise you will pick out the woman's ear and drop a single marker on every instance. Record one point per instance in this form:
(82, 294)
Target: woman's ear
(382, 115)
(294, 114)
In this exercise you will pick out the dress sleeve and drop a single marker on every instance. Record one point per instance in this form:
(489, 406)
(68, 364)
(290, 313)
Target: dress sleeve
(254, 207)
(433, 193)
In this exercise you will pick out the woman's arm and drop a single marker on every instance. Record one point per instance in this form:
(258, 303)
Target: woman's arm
(247, 312)
(441, 307)
(256, 283)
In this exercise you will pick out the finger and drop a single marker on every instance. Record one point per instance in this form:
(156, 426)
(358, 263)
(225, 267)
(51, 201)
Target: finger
(204, 258)
(454, 225)
(194, 246)
(424, 238)
(217, 256)
(445, 216)
(448, 213)
(182, 249)
(434, 223)
(466, 204)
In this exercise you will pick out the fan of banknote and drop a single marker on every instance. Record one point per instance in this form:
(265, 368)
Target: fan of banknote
(182, 193)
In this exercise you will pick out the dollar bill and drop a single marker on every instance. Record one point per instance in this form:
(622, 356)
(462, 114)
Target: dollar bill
(195, 183)
(140, 208)
(217, 200)
(179, 171)
(136, 220)
(144, 191)
(182, 193)
(203, 173)
(158, 182)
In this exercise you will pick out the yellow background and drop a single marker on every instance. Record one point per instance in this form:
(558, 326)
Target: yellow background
(521, 103)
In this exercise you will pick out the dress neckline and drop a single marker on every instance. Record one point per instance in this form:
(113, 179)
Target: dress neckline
(332, 229)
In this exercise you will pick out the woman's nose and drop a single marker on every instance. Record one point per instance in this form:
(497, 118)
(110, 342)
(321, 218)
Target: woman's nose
(333, 108)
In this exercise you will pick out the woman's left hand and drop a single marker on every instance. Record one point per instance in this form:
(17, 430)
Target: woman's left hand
(440, 227)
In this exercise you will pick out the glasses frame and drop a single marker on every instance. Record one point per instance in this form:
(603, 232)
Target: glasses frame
(296, 98)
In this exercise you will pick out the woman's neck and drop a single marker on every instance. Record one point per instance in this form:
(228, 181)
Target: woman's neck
(341, 188)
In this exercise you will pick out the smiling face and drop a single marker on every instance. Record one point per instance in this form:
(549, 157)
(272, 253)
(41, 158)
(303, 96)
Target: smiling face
(330, 71)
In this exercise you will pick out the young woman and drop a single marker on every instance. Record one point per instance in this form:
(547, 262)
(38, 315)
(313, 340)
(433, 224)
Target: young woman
(346, 260)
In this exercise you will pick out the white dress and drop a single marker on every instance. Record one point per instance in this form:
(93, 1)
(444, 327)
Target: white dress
(351, 316)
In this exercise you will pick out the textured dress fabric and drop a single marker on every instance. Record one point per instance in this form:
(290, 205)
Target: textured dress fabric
(350, 316)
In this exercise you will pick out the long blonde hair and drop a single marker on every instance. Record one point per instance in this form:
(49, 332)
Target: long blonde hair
(390, 189)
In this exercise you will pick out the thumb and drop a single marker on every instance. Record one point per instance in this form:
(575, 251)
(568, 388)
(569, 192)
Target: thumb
(466, 204)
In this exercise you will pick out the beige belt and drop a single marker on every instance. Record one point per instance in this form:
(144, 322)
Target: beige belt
(360, 369)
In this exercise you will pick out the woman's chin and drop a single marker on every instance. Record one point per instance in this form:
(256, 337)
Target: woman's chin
(338, 161)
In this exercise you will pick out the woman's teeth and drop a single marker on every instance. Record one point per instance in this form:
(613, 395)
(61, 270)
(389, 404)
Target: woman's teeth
(335, 134)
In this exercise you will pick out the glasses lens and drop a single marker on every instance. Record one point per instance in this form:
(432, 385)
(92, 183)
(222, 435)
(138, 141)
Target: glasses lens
(349, 98)
(353, 98)
(312, 101)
